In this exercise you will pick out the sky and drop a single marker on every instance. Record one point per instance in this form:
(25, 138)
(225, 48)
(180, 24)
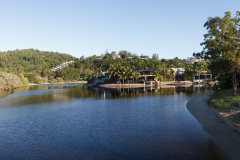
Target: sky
(169, 28)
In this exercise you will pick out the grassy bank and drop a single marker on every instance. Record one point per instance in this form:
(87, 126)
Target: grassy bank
(227, 104)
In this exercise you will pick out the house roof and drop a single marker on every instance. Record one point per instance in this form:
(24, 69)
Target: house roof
(149, 69)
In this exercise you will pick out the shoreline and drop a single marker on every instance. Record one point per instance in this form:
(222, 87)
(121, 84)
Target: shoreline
(33, 84)
(165, 84)
(223, 135)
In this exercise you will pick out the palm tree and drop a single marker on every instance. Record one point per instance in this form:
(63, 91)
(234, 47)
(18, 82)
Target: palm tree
(135, 75)
(97, 74)
(205, 68)
(114, 73)
(199, 70)
(128, 73)
(158, 77)
(123, 73)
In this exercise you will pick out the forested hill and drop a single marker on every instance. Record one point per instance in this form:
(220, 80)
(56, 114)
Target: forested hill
(36, 65)
(30, 61)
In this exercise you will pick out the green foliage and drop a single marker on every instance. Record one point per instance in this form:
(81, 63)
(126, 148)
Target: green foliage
(158, 77)
(54, 81)
(222, 43)
(32, 78)
(215, 87)
(36, 65)
(31, 60)
(59, 79)
(9, 81)
(224, 101)
(23, 79)
(39, 81)
(155, 56)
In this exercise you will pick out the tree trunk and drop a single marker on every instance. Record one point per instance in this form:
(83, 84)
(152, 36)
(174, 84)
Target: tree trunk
(199, 79)
(123, 80)
(133, 80)
(234, 81)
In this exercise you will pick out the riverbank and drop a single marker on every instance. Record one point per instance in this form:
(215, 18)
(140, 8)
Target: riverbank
(80, 82)
(137, 85)
(223, 135)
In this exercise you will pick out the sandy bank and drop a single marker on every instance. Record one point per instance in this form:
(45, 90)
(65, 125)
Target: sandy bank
(122, 85)
(32, 84)
(224, 136)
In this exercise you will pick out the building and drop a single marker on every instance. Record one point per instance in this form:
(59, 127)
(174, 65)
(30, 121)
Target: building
(147, 75)
(116, 56)
(202, 77)
(130, 59)
(62, 65)
(178, 72)
(193, 60)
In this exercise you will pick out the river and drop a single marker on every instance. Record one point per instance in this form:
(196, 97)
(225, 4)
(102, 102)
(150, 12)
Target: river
(75, 122)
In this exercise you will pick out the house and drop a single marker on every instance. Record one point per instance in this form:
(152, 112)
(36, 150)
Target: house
(64, 64)
(178, 72)
(202, 77)
(104, 76)
(193, 60)
(99, 57)
(130, 59)
(147, 75)
(116, 56)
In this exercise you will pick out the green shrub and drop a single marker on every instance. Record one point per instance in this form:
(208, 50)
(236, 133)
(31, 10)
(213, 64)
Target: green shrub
(59, 79)
(32, 78)
(9, 81)
(39, 81)
(215, 87)
(54, 81)
(24, 79)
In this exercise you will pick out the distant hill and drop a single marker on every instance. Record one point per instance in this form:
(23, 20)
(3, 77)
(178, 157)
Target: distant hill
(36, 65)
(30, 61)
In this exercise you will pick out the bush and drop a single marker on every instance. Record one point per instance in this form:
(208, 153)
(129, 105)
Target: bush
(54, 81)
(24, 79)
(215, 87)
(44, 80)
(32, 78)
(39, 81)
(59, 79)
(9, 81)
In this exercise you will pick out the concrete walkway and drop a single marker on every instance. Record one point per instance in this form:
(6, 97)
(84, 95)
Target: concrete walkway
(223, 136)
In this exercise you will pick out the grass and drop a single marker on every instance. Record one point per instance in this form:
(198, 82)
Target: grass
(224, 101)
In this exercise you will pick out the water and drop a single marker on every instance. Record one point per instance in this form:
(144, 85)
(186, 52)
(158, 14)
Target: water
(74, 122)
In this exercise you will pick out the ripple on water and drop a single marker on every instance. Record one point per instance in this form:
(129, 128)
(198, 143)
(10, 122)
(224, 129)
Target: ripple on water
(77, 123)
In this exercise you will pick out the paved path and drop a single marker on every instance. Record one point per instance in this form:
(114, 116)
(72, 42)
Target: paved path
(223, 136)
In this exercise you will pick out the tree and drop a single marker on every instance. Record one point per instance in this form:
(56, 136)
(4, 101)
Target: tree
(128, 73)
(158, 77)
(123, 73)
(189, 71)
(135, 75)
(155, 56)
(222, 42)
(124, 54)
(59, 79)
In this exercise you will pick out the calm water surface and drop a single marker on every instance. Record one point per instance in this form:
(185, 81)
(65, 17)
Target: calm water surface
(74, 122)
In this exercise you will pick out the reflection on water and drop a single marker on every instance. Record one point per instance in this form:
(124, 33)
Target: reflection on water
(76, 122)
(51, 93)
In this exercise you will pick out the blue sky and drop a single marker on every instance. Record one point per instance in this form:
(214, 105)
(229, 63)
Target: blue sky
(172, 28)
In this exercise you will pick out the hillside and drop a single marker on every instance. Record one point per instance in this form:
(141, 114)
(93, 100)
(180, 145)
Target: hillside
(36, 65)
(30, 61)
